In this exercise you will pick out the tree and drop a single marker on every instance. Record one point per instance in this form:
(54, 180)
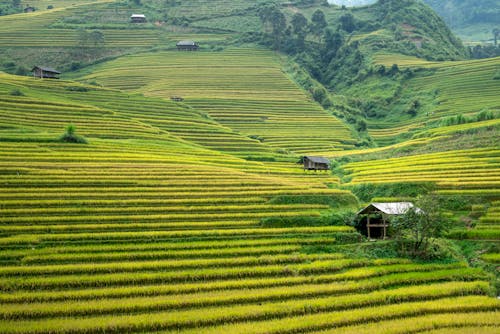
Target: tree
(496, 32)
(278, 21)
(96, 37)
(265, 15)
(415, 230)
(347, 22)
(82, 37)
(318, 22)
(333, 42)
(299, 23)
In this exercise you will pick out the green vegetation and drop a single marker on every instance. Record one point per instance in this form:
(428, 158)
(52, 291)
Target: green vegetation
(71, 137)
(194, 216)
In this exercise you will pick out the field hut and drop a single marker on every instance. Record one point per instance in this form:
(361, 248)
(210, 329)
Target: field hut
(176, 98)
(375, 218)
(138, 18)
(45, 72)
(316, 163)
(187, 46)
(29, 9)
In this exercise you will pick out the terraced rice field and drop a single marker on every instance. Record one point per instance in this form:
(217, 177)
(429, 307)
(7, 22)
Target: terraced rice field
(152, 227)
(473, 171)
(249, 94)
(57, 27)
(156, 224)
(457, 86)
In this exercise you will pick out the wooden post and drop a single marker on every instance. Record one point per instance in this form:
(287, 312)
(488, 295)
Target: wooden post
(385, 226)
(368, 226)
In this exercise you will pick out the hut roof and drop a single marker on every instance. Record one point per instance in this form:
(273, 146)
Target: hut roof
(318, 160)
(186, 43)
(137, 16)
(46, 69)
(397, 208)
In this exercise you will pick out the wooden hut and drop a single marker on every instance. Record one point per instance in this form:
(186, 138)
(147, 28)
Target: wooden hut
(138, 18)
(176, 98)
(375, 218)
(29, 9)
(316, 163)
(187, 46)
(45, 72)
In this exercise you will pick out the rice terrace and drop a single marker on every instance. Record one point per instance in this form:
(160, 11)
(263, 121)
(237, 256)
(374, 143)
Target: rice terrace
(268, 166)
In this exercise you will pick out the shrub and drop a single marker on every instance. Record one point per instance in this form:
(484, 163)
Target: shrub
(77, 89)
(342, 218)
(365, 192)
(497, 75)
(21, 70)
(71, 137)
(336, 201)
(416, 230)
(16, 92)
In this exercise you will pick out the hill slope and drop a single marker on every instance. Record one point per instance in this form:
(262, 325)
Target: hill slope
(194, 216)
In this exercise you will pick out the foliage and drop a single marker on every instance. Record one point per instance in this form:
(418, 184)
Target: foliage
(70, 136)
(416, 230)
(335, 219)
(337, 201)
(16, 92)
(10, 7)
(366, 191)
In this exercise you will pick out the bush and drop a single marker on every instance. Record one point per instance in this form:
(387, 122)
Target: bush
(77, 89)
(415, 231)
(343, 218)
(365, 192)
(16, 92)
(336, 201)
(21, 70)
(71, 137)
(260, 158)
(497, 75)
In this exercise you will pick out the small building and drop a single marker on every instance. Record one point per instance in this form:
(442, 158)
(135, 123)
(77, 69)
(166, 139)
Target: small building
(138, 18)
(375, 218)
(45, 72)
(187, 46)
(29, 9)
(316, 163)
(176, 98)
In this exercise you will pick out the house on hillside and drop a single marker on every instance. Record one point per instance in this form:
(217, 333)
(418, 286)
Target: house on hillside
(45, 72)
(187, 46)
(138, 18)
(375, 218)
(29, 9)
(316, 163)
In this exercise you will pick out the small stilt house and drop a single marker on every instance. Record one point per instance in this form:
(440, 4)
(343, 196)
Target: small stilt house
(45, 72)
(187, 46)
(375, 218)
(29, 9)
(316, 163)
(138, 18)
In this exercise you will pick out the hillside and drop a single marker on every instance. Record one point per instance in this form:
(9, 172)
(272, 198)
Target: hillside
(472, 20)
(194, 214)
